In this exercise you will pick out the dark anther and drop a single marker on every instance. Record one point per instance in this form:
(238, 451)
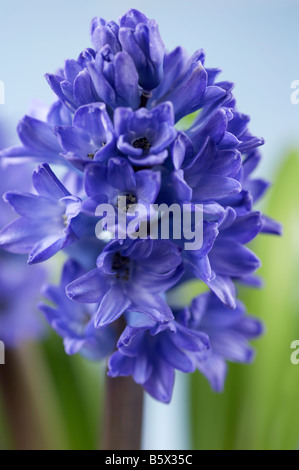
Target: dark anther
(91, 155)
(126, 204)
(121, 264)
(131, 200)
(142, 143)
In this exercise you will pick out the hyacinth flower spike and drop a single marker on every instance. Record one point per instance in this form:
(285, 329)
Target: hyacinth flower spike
(133, 124)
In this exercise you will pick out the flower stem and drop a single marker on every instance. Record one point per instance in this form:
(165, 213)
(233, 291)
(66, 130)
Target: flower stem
(123, 411)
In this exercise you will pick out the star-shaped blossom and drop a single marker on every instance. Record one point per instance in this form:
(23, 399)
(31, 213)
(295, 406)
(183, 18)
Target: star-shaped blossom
(144, 136)
(46, 222)
(130, 276)
(73, 321)
(151, 353)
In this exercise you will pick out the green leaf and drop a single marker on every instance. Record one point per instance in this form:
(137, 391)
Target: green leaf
(78, 384)
(260, 406)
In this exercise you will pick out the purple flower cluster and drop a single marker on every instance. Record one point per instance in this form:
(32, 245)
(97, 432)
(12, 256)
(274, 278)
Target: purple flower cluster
(19, 284)
(116, 130)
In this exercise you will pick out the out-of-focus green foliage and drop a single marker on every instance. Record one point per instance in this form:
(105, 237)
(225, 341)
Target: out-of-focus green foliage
(64, 393)
(260, 406)
(187, 121)
(61, 396)
(77, 383)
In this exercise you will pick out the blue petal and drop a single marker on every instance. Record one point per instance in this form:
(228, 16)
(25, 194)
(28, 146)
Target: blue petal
(174, 356)
(94, 119)
(213, 187)
(21, 235)
(187, 95)
(74, 140)
(113, 304)
(103, 33)
(84, 92)
(45, 249)
(150, 160)
(232, 346)
(149, 304)
(257, 188)
(148, 185)
(143, 369)
(89, 288)
(161, 382)
(225, 290)
(271, 226)
(182, 151)
(120, 365)
(191, 340)
(55, 83)
(229, 258)
(121, 174)
(214, 369)
(47, 184)
(245, 228)
(33, 206)
(38, 135)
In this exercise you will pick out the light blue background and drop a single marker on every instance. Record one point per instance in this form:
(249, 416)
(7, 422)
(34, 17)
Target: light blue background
(255, 42)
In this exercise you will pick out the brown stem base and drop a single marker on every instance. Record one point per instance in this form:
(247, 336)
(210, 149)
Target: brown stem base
(122, 424)
(18, 404)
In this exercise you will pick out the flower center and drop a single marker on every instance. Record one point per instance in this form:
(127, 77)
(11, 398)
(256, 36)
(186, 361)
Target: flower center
(142, 143)
(126, 201)
(121, 264)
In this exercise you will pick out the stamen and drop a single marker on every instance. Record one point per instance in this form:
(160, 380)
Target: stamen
(65, 221)
(131, 199)
(121, 264)
(142, 143)
(91, 155)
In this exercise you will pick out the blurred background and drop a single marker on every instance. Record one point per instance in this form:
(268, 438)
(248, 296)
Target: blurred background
(256, 44)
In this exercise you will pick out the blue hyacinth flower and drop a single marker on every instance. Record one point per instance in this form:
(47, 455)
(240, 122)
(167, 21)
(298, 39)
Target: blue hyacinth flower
(144, 136)
(74, 322)
(151, 353)
(45, 225)
(131, 276)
